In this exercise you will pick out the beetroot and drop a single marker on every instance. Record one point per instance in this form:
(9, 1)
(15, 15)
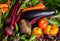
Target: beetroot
(13, 21)
(14, 15)
(18, 17)
(8, 31)
(8, 21)
(34, 20)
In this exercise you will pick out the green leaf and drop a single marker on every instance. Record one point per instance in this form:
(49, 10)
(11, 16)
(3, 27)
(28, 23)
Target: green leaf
(23, 6)
(54, 21)
(32, 38)
(34, 2)
(16, 27)
(1, 24)
(3, 1)
(57, 1)
(53, 4)
(23, 37)
(18, 34)
(30, 3)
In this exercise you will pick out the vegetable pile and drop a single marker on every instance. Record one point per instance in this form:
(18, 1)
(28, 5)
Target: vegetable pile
(29, 20)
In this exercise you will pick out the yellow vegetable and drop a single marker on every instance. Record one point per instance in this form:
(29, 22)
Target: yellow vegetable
(37, 32)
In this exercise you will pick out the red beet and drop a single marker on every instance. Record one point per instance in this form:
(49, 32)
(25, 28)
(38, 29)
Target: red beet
(8, 21)
(34, 20)
(8, 31)
(18, 17)
(13, 21)
(14, 15)
(15, 8)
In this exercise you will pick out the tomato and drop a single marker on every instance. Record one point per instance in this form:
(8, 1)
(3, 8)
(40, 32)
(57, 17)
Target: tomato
(47, 29)
(43, 23)
(54, 30)
(37, 32)
(51, 30)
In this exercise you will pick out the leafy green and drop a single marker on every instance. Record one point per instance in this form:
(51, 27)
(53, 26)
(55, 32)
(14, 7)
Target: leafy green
(32, 38)
(23, 37)
(3, 1)
(16, 27)
(26, 3)
(34, 2)
(53, 4)
(54, 21)
(1, 22)
(1, 26)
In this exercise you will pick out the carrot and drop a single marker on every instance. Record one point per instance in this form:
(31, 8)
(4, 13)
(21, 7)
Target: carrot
(4, 5)
(5, 9)
(37, 7)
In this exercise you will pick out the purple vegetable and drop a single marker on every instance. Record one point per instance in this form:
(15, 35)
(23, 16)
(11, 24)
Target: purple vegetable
(13, 21)
(18, 17)
(8, 31)
(14, 15)
(37, 13)
(34, 20)
(8, 21)
(15, 9)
